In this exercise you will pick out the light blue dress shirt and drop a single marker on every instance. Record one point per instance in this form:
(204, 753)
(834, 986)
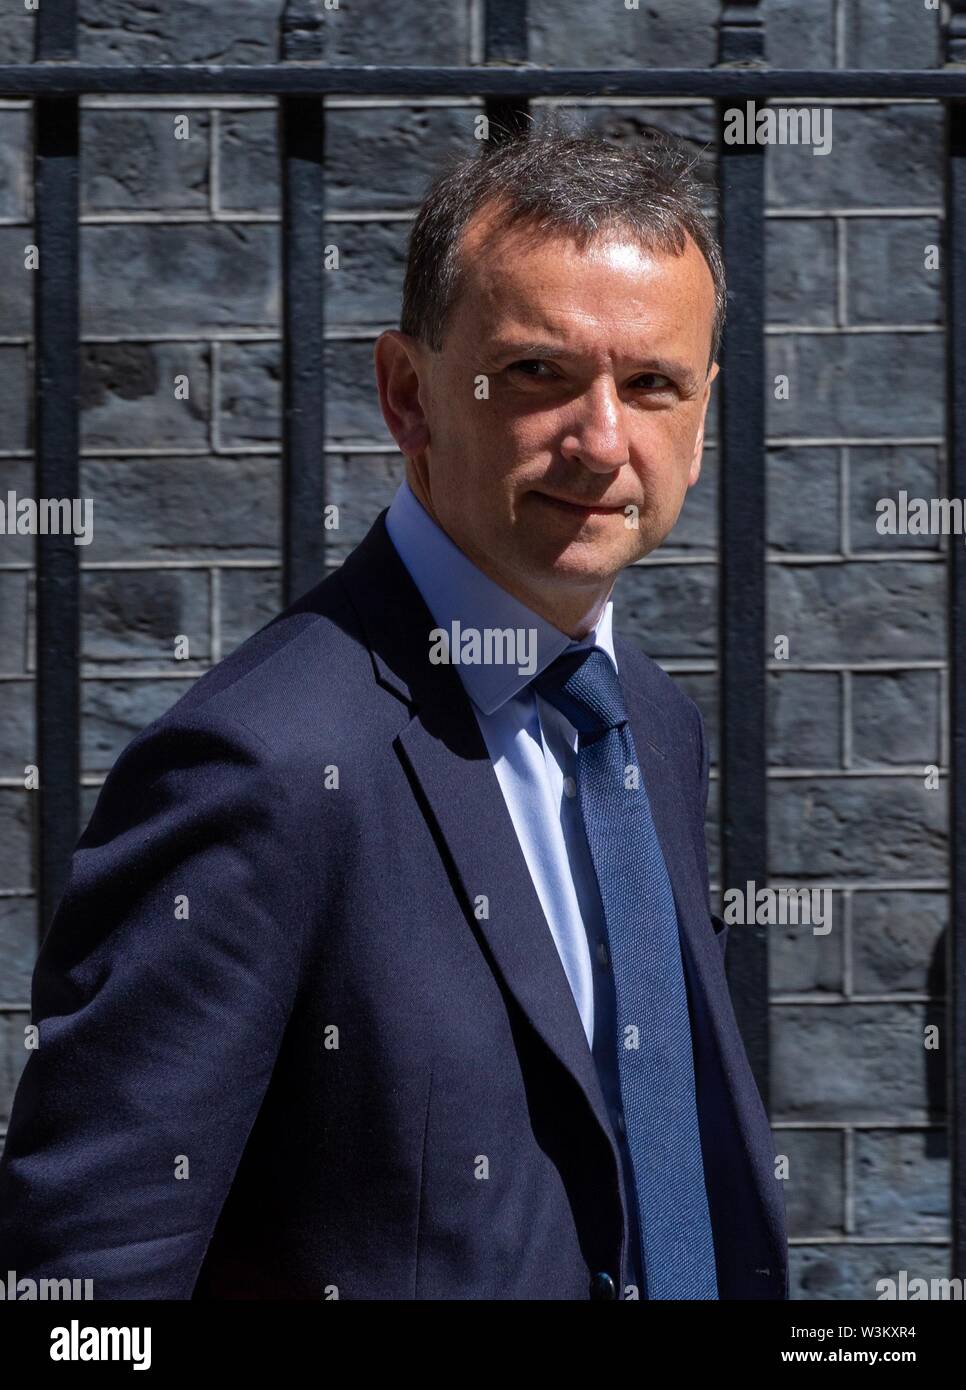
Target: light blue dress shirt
(533, 749)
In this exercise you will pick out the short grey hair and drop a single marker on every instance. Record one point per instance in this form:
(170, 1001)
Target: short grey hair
(556, 182)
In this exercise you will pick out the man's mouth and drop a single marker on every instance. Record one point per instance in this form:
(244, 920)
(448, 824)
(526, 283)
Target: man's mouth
(579, 508)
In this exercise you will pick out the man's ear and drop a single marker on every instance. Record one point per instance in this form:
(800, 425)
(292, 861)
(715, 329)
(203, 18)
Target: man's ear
(694, 472)
(402, 379)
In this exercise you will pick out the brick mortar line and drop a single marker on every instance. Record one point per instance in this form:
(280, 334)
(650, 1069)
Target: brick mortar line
(854, 1240)
(848, 1184)
(847, 721)
(832, 1126)
(848, 942)
(799, 999)
(853, 885)
(841, 272)
(839, 35)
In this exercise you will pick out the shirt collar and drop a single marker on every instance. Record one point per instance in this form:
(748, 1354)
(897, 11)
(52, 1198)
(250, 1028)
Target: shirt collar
(457, 592)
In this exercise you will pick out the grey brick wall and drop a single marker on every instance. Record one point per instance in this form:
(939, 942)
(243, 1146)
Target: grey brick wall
(180, 267)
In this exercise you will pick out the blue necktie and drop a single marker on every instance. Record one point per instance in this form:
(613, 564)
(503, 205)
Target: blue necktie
(653, 1037)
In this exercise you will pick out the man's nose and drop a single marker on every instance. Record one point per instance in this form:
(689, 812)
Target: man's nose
(595, 434)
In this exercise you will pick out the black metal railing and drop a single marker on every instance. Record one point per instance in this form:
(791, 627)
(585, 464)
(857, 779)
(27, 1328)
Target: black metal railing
(301, 82)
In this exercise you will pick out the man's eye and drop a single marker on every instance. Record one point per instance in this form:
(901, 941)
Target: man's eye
(649, 378)
(531, 367)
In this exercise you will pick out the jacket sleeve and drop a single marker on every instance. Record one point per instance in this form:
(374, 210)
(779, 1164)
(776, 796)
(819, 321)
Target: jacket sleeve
(160, 996)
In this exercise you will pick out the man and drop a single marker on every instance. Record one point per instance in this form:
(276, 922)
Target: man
(386, 967)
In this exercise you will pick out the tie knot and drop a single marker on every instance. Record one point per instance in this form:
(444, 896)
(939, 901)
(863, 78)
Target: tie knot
(584, 686)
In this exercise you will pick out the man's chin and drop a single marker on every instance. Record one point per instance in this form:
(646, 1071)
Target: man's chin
(584, 567)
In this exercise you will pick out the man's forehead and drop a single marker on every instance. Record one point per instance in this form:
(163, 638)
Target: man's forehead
(521, 264)
(549, 299)
(531, 287)
(489, 239)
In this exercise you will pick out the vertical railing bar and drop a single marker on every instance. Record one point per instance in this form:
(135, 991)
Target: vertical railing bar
(505, 31)
(505, 41)
(56, 474)
(302, 147)
(954, 261)
(741, 550)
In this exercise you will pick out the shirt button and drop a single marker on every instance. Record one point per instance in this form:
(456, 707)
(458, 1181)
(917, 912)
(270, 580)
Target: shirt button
(569, 786)
(603, 955)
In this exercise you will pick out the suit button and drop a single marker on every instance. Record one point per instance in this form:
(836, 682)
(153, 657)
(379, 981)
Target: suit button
(602, 1286)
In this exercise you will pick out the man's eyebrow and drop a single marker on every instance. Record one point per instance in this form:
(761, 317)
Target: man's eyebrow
(504, 348)
(667, 366)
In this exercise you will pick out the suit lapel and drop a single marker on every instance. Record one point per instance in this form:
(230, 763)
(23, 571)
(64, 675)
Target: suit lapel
(467, 805)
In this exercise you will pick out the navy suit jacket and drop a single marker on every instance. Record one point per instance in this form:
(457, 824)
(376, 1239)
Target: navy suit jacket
(303, 1029)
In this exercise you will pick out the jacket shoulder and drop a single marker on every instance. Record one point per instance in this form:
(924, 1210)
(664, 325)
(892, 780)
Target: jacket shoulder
(305, 667)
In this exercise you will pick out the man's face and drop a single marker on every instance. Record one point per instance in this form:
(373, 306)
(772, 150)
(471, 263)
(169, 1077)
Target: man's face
(562, 421)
